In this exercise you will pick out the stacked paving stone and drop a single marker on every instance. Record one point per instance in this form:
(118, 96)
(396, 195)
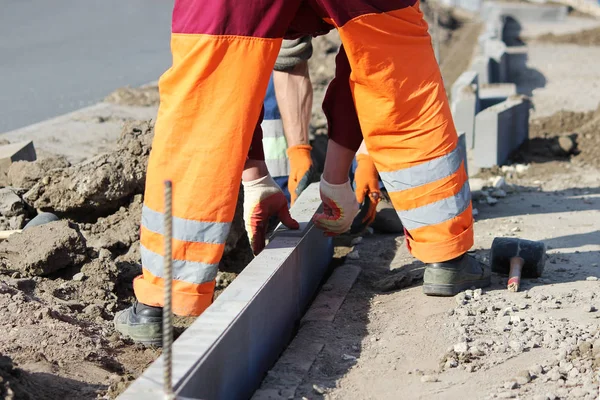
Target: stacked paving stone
(486, 104)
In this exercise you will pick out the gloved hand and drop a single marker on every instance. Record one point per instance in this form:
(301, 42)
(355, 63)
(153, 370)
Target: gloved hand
(339, 208)
(263, 199)
(301, 169)
(367, 184)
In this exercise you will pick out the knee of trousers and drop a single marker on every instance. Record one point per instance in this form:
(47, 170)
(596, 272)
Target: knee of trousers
(293, 52)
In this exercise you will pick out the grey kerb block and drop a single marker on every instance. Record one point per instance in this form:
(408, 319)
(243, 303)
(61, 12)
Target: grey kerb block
(524, 12)
(495, 49)
(500, 130)
(495, 93)
(225, 353)
(21, 151)
(465, 105)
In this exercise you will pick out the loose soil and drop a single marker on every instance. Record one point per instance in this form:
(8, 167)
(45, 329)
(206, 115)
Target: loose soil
(61, 283)
(590, 37)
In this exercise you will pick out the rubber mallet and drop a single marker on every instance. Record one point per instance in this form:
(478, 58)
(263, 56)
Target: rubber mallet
(517, 257)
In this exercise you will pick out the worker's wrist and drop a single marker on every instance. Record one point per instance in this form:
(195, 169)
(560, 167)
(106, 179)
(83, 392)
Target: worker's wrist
(337, 163)
(254, 169)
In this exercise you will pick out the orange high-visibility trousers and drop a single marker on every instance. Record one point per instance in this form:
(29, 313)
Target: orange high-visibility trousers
(211, 100)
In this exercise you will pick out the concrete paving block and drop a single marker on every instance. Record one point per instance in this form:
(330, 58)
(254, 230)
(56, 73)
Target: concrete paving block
(21, 151)
(524, 12)
(500, 130)
(495, 93)
(516, 62)
(482, 65)
(226, 352)
(495, 49)
(465, 104)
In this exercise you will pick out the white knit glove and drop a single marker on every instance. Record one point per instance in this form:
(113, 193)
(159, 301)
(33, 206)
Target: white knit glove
(339, 208)
(263, 199)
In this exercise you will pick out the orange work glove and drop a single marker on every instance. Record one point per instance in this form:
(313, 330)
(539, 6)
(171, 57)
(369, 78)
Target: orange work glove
(366, 178)
(263, 199)
(301, 169)
(339, 208)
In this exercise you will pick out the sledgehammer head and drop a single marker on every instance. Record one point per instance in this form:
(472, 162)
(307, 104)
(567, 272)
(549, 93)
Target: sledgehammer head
(533, 254)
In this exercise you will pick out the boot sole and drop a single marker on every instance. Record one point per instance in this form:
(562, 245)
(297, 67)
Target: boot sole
(447, 290)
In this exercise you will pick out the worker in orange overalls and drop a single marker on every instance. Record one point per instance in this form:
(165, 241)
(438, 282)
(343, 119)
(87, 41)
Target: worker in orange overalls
(207, 136)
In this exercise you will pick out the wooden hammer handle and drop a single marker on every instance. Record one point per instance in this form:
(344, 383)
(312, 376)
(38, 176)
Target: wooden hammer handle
(514, 276)
(5, 234)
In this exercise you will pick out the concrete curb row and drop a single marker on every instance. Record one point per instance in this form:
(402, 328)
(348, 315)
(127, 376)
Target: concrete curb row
(484, 100)
(225, 353)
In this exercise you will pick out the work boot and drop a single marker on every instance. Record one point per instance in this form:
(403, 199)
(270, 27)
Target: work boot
(452, 277)
(141, 323)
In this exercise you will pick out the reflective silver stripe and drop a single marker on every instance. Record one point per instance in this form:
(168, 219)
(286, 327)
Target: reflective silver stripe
(187, 271)
(187, 230)
(275, 146)
(422, 174)
(278, 167)
(272, 128)
(438, 212)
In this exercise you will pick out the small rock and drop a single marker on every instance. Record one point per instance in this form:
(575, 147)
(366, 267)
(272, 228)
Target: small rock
(469, 294)
(356, 240)
(11, 204)
(515, 319)
(348, 357)
(510, 385)
(536, 369)
(319, 389)
(460, 299)
(499, 193)
(498, 182)
(566, 144)
(589, 308)
(554, 375)
(516, 229)
(578, 393)
(491, 201)
(521, 168)
(104, 254)
(506, 395)
(524, 375)
(475, 212)
(469, 368)
(353, 255)
(591, 278)
(78, 276)
(429, 378)
(516, 346)
(461, 348)
(93, 311)
(477, 184)
(477, 293)
(451, 363)
(521, 380)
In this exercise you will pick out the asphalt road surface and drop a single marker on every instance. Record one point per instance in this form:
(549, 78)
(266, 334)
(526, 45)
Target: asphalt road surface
(58, 56)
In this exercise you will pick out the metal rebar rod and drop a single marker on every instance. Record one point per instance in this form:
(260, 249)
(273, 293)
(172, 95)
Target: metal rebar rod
(168, 282)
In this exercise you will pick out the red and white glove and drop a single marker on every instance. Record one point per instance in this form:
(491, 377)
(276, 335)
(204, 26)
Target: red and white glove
(263, 199)
(339, 208)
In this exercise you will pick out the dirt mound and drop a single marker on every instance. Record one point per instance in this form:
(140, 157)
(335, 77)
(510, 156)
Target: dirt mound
(100, 185)
(62, 282)
(589, 37)
(144, 97)
(567, 136)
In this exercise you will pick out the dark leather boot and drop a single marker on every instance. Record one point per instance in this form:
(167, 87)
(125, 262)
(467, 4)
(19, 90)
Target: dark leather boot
(452, 277)
(141, 323)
